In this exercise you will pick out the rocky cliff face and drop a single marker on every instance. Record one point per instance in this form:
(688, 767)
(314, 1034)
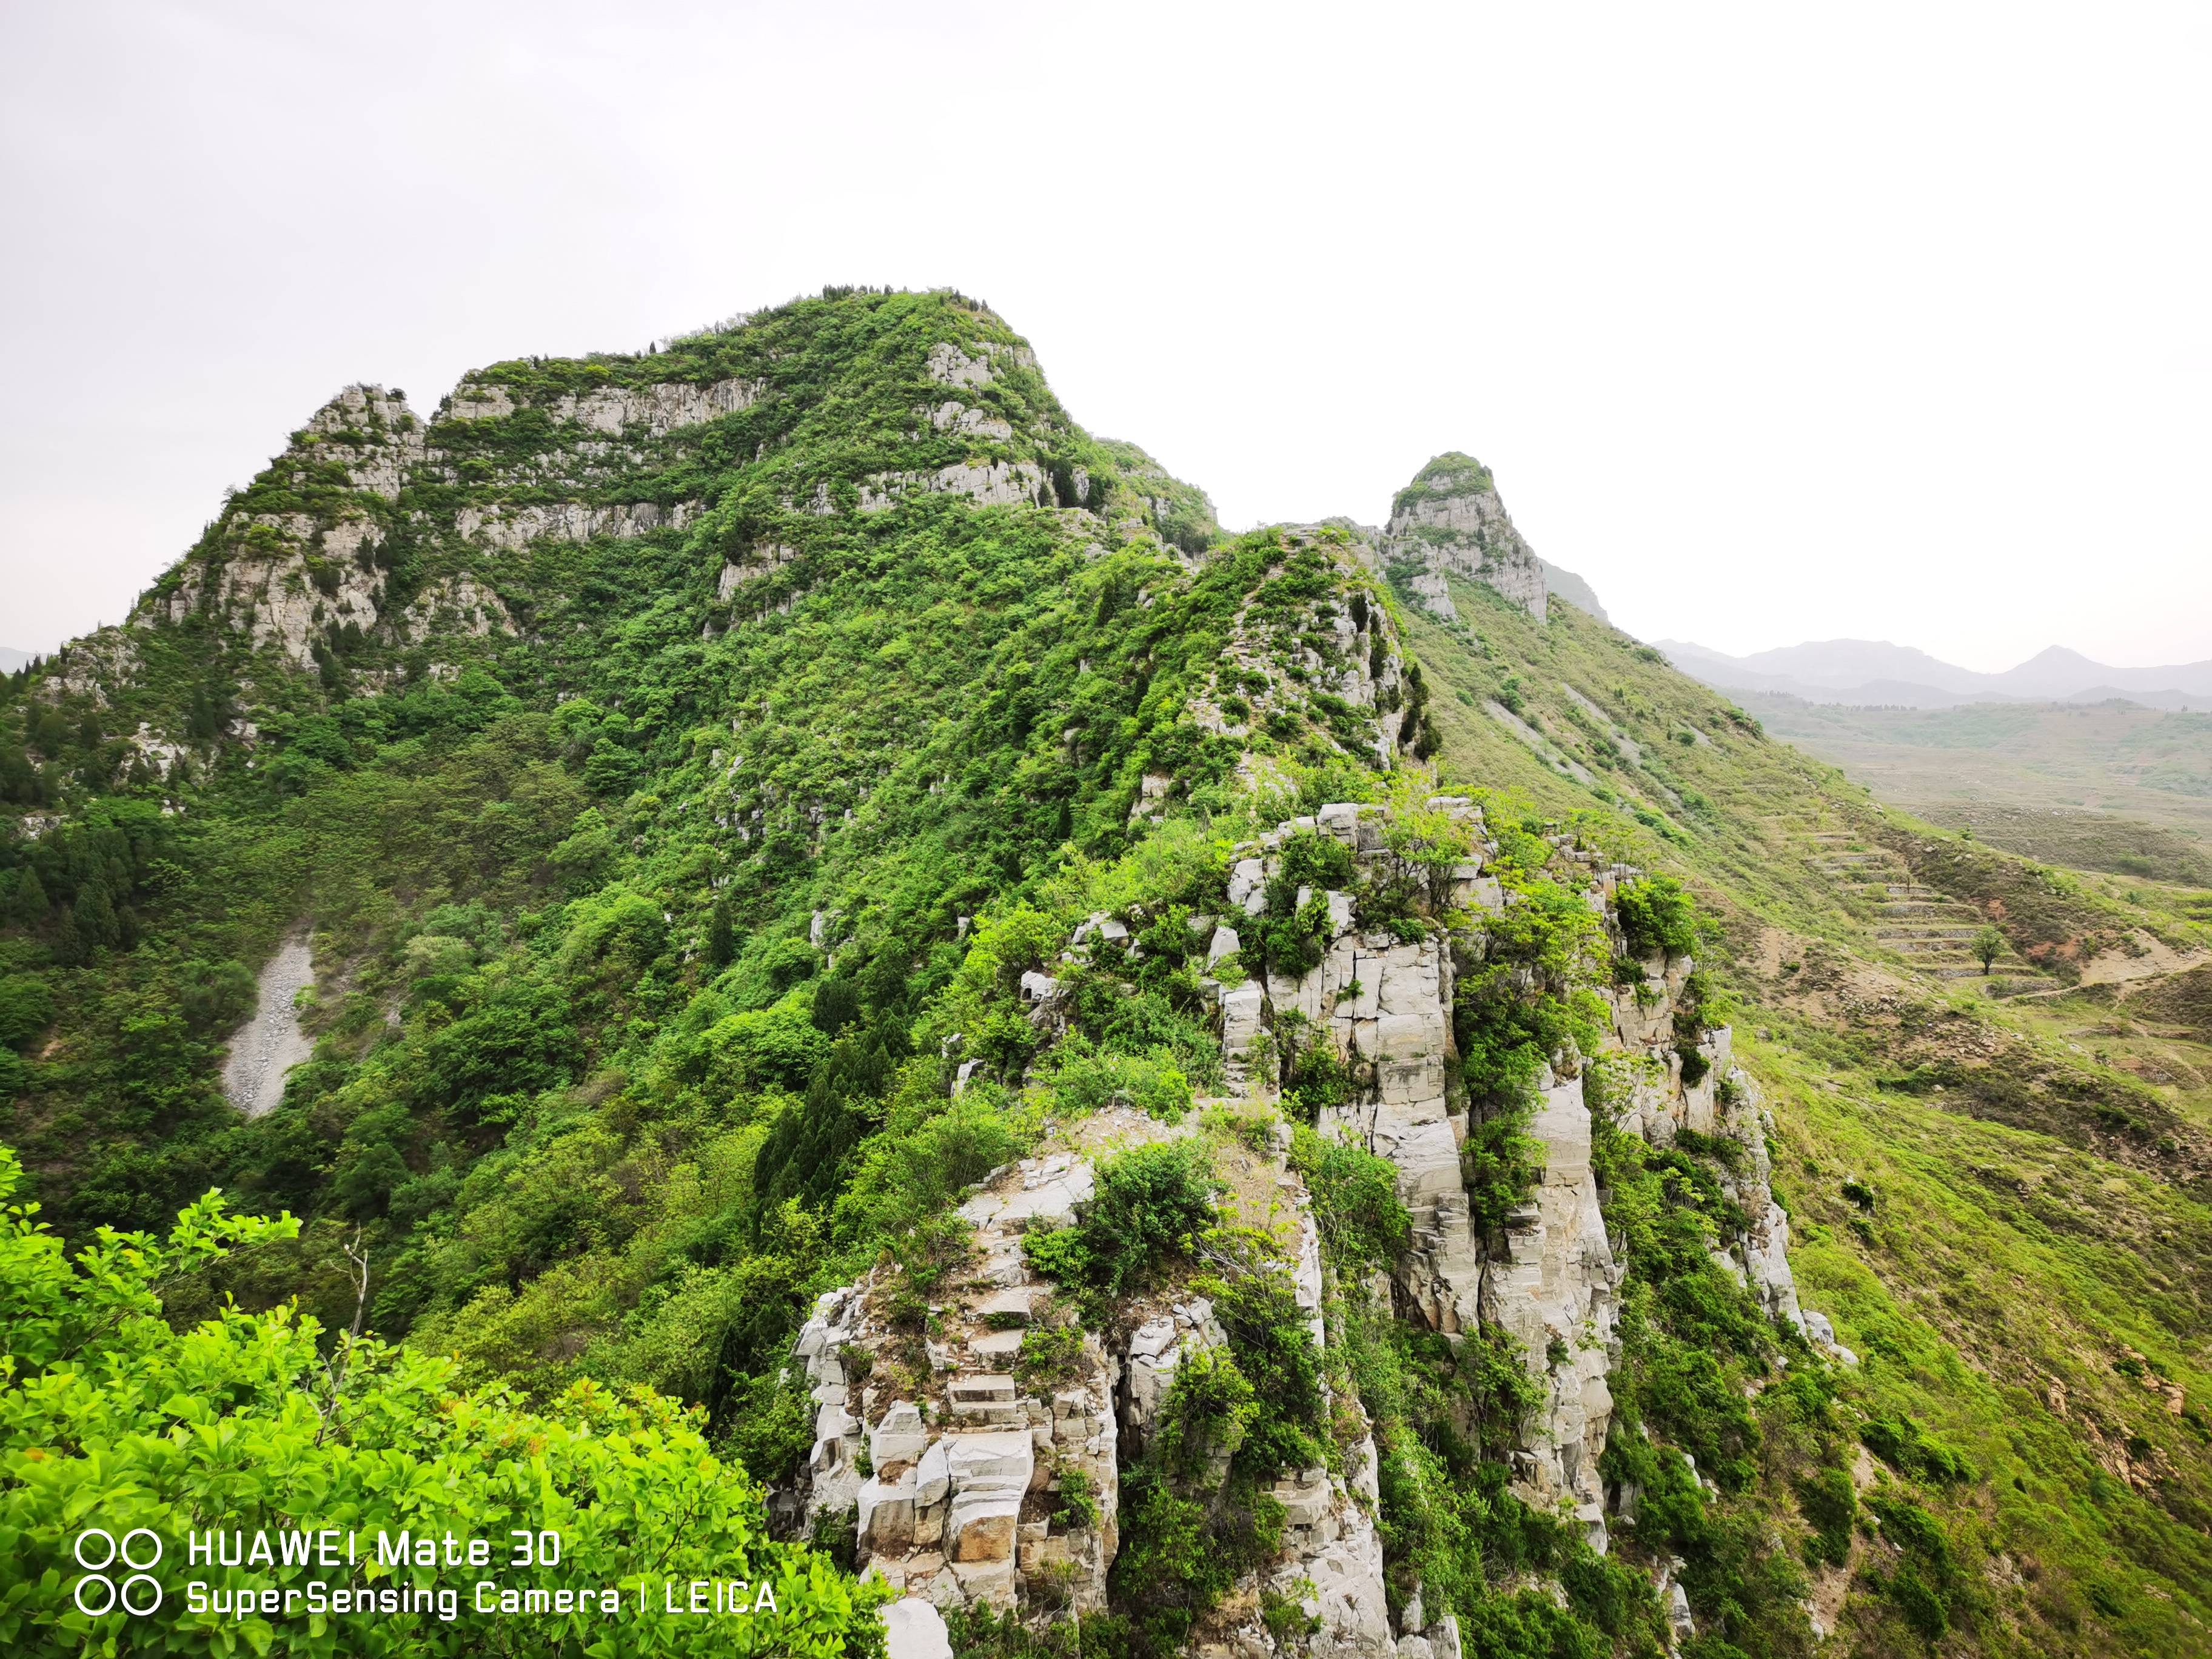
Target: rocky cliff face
(1450, 520)
(952, 1460)
(297, 568)
(342, 555)
(973, 1478)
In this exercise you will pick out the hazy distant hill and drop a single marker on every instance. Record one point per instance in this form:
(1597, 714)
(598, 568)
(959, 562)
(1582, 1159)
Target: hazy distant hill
(1566, 585)
(2100, 786)
(1876, 673)
(12, 659)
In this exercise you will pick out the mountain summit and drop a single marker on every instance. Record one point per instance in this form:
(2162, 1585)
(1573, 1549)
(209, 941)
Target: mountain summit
(1450, 520)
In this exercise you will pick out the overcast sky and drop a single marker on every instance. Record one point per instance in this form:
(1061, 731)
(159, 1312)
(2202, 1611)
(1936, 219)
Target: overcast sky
(1774, 322)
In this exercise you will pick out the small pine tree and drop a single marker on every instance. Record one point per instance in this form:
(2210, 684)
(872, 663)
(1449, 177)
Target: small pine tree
(94, 916)
(29, 906)
(722, 936)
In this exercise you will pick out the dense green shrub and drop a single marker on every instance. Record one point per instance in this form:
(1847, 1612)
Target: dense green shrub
(1830, 1506)
(1362, 1221)
(1150, 1206)
(1657, 916)
(114, 1418)
(1901, 1442)
(1289, 937)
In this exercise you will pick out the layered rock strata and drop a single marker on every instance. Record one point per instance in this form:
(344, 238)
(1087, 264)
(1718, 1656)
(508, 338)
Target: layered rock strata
(1451, 521)
(1549, 1276)
(954, 1466)
(958, 1468)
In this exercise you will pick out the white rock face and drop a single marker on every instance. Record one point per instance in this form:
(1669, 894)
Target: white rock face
(295, 582)
(952, 416)
(1548, 1278)
(287, 579)
(659, 409)
(949, 366)
(1433, 594)
(954, 1508)
(374, 434)
(987, 484)
(455, 604)
(1551, 1285)
(762, 561)
(1553, 1288)
(511, 529)
(1452, 520)
(958, 1504)
(915, 1630)
(86, 667)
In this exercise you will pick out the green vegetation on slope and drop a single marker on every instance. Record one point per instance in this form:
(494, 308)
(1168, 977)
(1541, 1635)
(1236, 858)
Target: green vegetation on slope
(664, 876)
(2010, 1230)
(114, 1418)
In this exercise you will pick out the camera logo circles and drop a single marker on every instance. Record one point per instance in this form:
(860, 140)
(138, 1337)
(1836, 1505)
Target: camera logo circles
(97, 1551)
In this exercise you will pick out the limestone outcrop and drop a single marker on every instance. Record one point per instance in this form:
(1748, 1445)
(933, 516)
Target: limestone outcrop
(288, 581)
(372, 433)
(1450, 520)
(1548, 1276)
(950, 366)
(655, 409)
(296, 578)
(987, 484)
(967, 1482)
(971, 1477)
(455, 604)
(955, 1461)
(511, 529)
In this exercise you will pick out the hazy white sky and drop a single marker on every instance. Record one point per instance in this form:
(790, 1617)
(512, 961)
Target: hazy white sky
(1774, 322)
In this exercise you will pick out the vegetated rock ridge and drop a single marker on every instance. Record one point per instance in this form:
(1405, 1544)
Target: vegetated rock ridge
(951, 1461)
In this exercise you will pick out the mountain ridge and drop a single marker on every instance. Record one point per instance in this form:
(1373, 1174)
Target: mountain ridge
(1876, 672)
(758, 807)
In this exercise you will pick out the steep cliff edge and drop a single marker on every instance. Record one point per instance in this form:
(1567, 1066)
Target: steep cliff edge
(975, 1429)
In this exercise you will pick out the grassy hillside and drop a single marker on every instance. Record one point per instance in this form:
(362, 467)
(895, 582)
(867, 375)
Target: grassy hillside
(2008, 1204)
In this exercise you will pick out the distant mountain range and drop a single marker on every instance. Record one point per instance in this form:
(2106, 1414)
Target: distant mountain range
(1566, 585)
(11, 659)
(1876, 673)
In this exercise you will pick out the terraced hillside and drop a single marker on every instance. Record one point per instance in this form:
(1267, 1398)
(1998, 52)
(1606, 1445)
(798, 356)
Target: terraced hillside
(2109, 786)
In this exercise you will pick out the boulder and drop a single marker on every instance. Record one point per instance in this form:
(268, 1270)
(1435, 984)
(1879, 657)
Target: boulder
(886, 1513)
(1000, 1461)
(933, 1475)
(981, 1526)
(915, 1630)
(901, 1438)
(1242, 1006)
